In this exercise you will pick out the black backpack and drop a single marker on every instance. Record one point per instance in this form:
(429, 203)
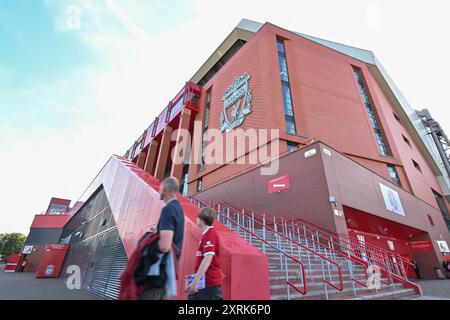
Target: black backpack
(148, 258)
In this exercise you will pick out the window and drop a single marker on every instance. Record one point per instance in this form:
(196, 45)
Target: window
(292, 146)
(430, 219)
(205, 127)
(199, 184)
(406, 140)
(285, 88)
(416, 165)
(394, 175)
(442, 208)
(397, 117)
(371, 112)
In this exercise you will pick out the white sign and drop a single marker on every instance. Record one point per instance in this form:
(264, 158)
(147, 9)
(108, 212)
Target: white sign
(310, 153)
(327, 152)
(27, 249)
(392, 200)
(443, 246)
(391, 245)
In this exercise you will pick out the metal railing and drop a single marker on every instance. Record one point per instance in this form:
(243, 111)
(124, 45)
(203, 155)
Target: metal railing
(317, 242)
(249, 235)
(390, 264)
(329, 268)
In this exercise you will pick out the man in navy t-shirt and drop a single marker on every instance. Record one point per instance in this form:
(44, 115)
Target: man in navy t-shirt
(170, 228)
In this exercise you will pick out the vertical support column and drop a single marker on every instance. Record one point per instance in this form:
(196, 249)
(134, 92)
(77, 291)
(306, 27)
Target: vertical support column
(152, 153)
(178, 161)
(163, 153)
(141, 159)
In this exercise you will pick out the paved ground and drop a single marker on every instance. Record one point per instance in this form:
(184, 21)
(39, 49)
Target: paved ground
(434, 289)
(24, 286)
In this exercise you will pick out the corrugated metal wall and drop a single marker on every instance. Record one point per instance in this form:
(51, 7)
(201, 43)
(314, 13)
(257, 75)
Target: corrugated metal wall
(43, 236)
(96, 247)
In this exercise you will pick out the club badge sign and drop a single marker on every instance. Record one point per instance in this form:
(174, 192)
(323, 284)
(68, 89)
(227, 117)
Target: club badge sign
(392, 200)
(236, 104)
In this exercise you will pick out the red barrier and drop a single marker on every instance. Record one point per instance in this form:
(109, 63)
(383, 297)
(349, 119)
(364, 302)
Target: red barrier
(13, 262)
(52, 261)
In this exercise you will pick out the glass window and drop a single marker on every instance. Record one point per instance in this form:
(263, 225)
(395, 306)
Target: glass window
(417, 166)
(292, 146)
(442, 208)
(394, 175)
(205, 127)
(283, 67)
(285, 88)
(371, 112)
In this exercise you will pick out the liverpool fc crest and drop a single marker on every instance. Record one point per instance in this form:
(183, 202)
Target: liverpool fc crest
(236, 103)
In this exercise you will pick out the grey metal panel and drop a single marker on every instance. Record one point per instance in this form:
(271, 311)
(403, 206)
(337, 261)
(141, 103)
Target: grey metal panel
(43, 236)
(99, 252)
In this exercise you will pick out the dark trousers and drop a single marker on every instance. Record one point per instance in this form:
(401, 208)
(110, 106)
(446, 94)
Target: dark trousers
(153, 294)
(211, 293)
(417, 271)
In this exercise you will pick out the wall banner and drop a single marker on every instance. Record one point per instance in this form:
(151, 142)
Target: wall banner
(392, 200)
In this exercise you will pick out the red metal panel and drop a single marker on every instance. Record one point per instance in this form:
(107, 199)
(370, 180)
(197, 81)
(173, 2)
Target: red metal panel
(13, 262)
(149, 134)
(162, 120)
(50, 221)
(52, 261)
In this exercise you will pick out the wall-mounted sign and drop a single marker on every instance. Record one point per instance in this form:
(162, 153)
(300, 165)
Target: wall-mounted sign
(236, 103)
(310, 153)
(391, 245)
(278, 184)
(327, 152)
(392, 200)
(419, 246)
(27, 249)
(443, 246)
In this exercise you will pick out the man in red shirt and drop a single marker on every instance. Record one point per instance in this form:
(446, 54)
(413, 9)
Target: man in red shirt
(207, 263)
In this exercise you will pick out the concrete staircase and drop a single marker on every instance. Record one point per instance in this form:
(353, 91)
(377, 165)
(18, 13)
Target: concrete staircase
(305, 269)
(317, 289)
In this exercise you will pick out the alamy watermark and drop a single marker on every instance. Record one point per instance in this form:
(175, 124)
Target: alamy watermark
(239, 146)
(74, 279)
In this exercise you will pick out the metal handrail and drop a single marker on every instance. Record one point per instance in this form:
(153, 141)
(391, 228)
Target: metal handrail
(356, 260)
(355, 244)
(330, 232)
(367, 248)
(338, 266)
(302, 291)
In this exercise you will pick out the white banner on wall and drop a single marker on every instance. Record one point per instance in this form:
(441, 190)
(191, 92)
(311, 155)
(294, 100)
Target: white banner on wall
(392, 200)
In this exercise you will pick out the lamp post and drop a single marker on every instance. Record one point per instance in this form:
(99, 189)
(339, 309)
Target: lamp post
(3, 243)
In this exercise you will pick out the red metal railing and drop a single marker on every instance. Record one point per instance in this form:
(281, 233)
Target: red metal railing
(231, 221)
(315, 243)
(188, 97)
(392, 265)
(323, 258)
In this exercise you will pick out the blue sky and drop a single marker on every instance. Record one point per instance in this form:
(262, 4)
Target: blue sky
(69, 98)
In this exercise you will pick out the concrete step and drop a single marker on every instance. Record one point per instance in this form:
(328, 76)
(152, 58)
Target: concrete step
(333, 294)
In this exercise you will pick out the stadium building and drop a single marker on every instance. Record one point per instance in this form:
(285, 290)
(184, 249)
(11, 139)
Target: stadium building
(346, 180)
